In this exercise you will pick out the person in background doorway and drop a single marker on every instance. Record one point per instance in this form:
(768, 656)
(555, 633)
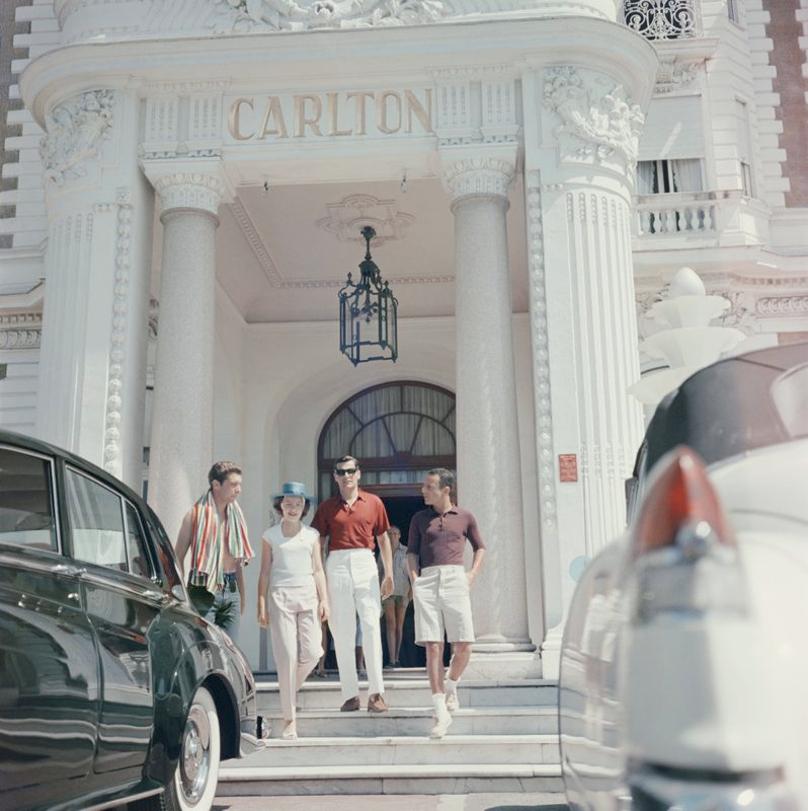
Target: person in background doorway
(215, 531)
(352, 522)
(441, 588)
(292, 569)
(395, 606)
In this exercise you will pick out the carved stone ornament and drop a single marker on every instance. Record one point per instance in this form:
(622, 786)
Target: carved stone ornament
(76, 129)
(673, 74)
(20, 330)
(297, 15)
(597, 118)
(346, 215)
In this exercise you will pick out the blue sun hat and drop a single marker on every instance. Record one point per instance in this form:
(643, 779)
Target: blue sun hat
(297, 489)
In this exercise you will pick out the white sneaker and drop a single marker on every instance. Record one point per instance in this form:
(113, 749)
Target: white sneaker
(452, 702)
(442, 725)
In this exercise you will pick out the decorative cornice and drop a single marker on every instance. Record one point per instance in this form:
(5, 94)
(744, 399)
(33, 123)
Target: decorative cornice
(294, 15)
(477, 177)
(20, 330)
(189, 190)
(310, 284)
(748, 303)
(782, 306)
(598, 119)
(185, 88)
(76, 129)
(257, 246)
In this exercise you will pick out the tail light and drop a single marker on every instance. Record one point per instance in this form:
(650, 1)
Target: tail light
(682, 544)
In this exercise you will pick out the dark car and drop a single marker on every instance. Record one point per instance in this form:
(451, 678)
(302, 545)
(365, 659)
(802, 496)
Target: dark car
(112, 689)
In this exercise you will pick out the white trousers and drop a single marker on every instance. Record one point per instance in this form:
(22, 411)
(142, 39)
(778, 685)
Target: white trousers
(353, 589)
(296, 640)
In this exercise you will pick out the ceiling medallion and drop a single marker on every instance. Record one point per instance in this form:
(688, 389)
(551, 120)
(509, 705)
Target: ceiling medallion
(347, 215)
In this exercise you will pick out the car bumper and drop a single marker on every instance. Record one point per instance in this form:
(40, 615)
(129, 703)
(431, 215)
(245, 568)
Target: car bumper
(655, 791)
(249, 744)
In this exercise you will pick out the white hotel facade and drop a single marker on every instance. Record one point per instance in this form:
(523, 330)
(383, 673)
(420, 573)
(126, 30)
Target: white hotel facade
(184, 182)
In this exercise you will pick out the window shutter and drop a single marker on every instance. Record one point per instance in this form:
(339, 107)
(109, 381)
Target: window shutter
(673, 129)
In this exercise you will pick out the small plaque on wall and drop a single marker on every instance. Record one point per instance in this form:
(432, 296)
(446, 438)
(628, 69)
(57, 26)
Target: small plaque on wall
(568, 467)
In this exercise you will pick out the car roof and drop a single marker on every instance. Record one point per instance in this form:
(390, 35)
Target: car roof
(46, 448)
(725, 408)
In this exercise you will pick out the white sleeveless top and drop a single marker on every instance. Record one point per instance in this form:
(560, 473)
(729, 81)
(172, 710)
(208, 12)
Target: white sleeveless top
(291, 557)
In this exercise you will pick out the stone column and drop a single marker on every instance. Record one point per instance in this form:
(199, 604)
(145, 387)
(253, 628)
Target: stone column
(488, 450)
(579, 186)
(182, 419)
(92, 364)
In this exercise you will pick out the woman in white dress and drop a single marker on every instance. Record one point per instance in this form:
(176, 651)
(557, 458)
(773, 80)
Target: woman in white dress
(292, 573)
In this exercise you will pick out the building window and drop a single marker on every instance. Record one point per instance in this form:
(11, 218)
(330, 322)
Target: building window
(744, 151)
(661, 19)
(669, 176)
(398, 431)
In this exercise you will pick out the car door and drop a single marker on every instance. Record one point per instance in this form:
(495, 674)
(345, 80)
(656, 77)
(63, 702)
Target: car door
(49, 672)
(107, 540)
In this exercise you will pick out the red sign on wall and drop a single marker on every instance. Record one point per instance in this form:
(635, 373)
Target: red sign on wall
(568, 467)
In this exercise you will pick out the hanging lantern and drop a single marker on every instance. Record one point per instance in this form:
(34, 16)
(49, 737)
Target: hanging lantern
(368, 310)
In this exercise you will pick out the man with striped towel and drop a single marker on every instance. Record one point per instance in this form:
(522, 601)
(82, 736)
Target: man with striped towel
(215, 531)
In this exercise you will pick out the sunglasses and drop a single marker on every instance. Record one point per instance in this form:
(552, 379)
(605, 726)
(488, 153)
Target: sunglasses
(345, 471)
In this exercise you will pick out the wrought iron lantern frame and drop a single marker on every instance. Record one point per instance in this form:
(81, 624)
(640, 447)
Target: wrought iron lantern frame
(368, 312)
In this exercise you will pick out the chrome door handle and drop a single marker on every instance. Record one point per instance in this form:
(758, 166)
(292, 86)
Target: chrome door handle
(151, 594)
(68, 569)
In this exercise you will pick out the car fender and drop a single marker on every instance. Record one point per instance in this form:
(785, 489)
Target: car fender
(186, 655)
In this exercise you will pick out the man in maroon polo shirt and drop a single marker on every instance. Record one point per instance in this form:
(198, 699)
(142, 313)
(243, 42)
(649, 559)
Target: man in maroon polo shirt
(441, 587)
(353, 522)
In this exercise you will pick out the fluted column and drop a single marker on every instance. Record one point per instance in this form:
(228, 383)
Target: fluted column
(579, 186)
(489, 479)
(92, 364)
(182, 420)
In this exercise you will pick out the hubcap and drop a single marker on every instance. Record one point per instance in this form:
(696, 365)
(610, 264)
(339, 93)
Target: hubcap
(195, 757)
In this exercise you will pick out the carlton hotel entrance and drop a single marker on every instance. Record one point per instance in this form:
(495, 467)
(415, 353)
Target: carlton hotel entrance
(399, 431)
(220, 159)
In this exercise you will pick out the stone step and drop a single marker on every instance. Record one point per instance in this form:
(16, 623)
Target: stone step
(422, 779)
(380, 751)
(415, 692)
(416, 721)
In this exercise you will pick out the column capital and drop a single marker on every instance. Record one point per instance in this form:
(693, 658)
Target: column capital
(478, 172)
(593, 118)
(189, 190)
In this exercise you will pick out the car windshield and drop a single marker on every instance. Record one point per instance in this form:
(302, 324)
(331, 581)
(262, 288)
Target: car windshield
(735, 405)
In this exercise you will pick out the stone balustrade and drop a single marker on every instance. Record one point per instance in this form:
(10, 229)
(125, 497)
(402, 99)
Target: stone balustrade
(687, 213)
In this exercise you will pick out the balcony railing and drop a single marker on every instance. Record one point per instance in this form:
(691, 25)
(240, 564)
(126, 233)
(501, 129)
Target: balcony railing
(663, 19)
(690, 214)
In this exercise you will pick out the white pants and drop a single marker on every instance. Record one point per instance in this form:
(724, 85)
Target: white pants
(296, 640)
(353, 588)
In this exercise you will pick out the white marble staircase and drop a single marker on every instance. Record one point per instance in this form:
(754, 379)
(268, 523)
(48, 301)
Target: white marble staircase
(504, 738)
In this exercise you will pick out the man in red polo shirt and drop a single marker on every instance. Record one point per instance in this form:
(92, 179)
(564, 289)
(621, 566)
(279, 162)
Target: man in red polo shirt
(353, 522)
(441, 586)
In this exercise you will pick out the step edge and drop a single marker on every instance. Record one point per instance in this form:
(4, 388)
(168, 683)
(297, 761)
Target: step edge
(232, 775)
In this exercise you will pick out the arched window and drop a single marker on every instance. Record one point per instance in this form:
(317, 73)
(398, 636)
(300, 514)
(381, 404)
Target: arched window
(398, 431)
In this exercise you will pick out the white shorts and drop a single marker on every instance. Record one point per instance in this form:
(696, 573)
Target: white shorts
(441, 597)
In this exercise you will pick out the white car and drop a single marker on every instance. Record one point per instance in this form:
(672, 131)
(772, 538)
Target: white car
(684, 667)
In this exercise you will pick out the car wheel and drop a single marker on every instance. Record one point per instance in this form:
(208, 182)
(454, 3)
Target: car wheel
(197, 772)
